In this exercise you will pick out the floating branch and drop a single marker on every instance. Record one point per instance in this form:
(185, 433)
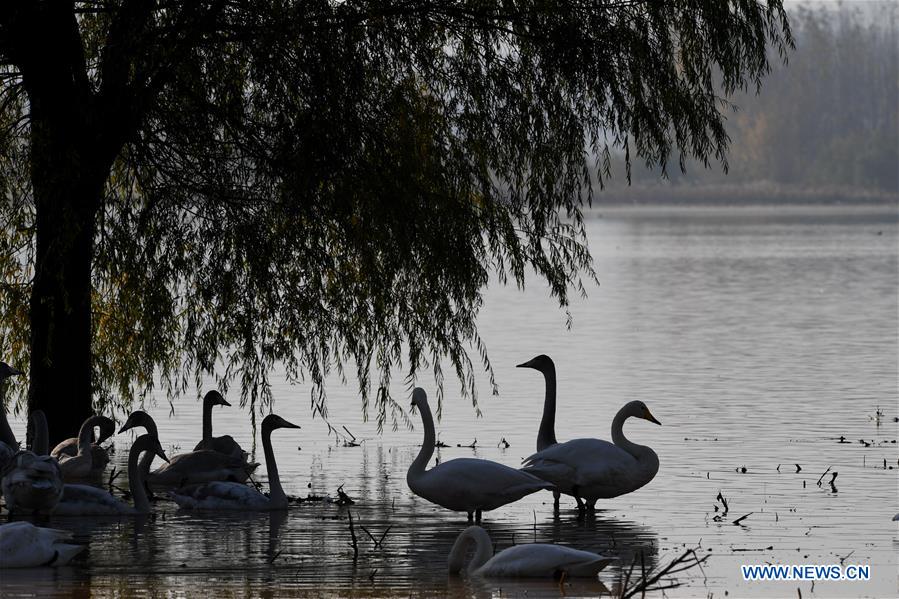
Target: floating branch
(355, 543)
(823, 475)
(741, 518)
(652, 581)
(343, 498)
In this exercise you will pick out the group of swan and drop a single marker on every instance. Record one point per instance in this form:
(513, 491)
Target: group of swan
(211, 478)
(586, 469)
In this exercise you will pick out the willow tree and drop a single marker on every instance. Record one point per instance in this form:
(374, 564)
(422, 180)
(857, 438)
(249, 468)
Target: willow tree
(219, 186)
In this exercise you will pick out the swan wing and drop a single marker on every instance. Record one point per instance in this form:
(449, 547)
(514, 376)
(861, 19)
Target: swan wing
(68, 447)
(543, 560)
(467, 484)
(201, 466)
(85, 500)
(582, 462)
(219, 496)
(23, 545)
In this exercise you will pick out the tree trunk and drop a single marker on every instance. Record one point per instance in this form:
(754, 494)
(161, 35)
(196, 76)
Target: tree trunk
(60, 372)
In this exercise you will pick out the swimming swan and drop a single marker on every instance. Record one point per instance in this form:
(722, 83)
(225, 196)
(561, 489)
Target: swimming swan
(89, 458)
(85, 500)
(32, 481)
(24, 545)
(592, 469)
(530, 560)
(464, 484)
(235, 496)
(224, 444)
(546, 434)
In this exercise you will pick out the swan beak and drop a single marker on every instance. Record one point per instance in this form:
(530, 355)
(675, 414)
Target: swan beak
(125, 427)
(651, 418)
(290, 425)
(14, 371)
(224, 402)
(163, 456)
(524, 364)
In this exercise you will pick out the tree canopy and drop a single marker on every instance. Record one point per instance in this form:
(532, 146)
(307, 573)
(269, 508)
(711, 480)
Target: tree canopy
(324, 183)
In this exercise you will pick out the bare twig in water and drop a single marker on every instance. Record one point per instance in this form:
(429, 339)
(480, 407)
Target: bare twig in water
(503, 443)
(823, 475)
(473, 445)
(343, 498)
(654, 580)
(377, 542)
(371, 577)
(741, 518)
(274, 557)
(355, 543)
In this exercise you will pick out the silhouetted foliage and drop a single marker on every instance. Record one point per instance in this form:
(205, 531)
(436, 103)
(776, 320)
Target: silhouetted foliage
(244, 183)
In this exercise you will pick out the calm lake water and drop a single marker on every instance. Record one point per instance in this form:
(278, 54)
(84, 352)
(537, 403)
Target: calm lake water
(757, 336)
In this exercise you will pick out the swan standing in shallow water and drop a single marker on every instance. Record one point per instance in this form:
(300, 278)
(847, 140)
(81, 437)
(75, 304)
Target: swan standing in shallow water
(24, 545)
(90, 459)
(464, 484)
(85, 500)
(592, 469)
(235, 496)
(32, 481)
(8, 444)
(530, 560)
(546, 434)
(224, 444)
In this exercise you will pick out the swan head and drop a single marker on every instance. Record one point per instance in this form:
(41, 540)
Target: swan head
(638, 409)
(273, 421)
(150, 443)
(419, 397)
(543, 363)
(215, 398)
(7, 371)
(139, 418)
(107, 428)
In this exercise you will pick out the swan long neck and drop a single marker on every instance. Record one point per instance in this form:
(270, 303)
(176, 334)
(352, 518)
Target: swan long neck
(546, 436)
(276, 492)
(85, 434)
(207, 419)
(621, 441)
(41, 443)
(427, 447)
(482, 553)
(6, 434)
(136, 475)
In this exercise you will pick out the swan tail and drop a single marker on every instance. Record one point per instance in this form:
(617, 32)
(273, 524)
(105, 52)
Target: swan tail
(65, 552)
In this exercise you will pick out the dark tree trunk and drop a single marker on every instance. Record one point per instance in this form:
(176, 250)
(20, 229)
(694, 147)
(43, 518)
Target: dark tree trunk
(60, 372)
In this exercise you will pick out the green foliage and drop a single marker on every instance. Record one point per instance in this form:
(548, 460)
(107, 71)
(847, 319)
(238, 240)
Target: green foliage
(325, 184)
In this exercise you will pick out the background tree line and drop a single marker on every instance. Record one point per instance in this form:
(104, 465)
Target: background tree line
(825, 121)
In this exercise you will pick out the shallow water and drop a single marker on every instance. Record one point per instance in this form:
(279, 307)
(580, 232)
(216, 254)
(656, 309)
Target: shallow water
(758, 336)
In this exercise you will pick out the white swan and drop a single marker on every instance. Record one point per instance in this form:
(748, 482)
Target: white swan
(464, 484)
(32, 481)
(224, 444)
(85, 500)
(72, 446)
(8, 444)
(529, 560)
(141, 418)
(235, 496)
(24, 545)
(592, 469)
(546, 434)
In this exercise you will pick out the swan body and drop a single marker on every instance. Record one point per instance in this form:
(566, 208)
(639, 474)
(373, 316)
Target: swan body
(8, 444)
(464, 484)
(593, 469)
(99, 455)
(24, 545)
(32, 482)
(82, 464)
(224, 444)
(85, 500)
(236, 496)
(532, 560)
(199, 467)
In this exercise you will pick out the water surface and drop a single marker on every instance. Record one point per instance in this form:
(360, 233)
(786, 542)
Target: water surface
(758, 336)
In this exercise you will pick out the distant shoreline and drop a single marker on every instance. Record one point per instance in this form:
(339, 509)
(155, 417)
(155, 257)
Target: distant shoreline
(761, 194)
